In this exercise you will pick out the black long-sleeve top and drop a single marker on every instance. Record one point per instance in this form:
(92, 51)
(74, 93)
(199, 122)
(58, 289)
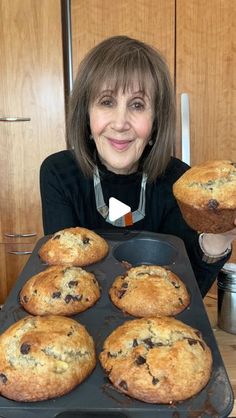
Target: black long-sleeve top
(68, 200)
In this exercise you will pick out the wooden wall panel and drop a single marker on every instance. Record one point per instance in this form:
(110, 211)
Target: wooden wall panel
(205, 69)
(151, 21)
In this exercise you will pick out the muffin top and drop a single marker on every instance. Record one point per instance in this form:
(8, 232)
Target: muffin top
(157, 360)
(43, 357)
(149, 290)
(74, 246)
(210, 185)
(60, 290)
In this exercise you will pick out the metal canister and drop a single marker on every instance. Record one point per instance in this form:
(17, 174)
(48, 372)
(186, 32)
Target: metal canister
(226, 282)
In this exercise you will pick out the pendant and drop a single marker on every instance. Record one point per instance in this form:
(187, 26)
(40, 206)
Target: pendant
(128, 219)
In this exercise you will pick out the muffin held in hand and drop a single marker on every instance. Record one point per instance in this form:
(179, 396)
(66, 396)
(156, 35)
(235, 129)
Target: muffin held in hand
(44, 357)
(148, 291)
(74, 246)
(60, 290)
(157, 360)
(206, 195)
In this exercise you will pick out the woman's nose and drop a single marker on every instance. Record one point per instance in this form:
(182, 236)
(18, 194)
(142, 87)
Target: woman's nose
(121, 119)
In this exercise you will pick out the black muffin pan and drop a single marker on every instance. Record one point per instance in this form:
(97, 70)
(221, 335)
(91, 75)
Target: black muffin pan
(96, 397)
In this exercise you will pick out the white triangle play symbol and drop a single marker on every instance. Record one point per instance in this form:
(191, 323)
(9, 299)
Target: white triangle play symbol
(117, 209)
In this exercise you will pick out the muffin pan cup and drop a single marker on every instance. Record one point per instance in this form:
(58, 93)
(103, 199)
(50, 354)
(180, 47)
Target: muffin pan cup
(96, 397)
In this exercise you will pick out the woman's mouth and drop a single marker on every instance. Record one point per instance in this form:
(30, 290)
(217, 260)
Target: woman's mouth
(119, 144)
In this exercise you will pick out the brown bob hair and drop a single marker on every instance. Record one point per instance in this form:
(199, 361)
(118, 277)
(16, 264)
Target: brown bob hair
(115, 62)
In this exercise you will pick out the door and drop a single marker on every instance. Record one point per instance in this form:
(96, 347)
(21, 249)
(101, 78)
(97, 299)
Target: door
(32, 123)
(31, 92)
(205, 69)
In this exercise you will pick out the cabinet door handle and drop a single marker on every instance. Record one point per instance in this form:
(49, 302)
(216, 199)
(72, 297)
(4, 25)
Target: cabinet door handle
(14, 119)
(185, 128)
(20, 252)
(13, 235)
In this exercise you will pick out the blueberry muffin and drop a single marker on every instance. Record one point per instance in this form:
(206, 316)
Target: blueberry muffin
(74, 246)
(148, 291)
(60, 290)
(44, 357)
(157, 360)
(206, 195)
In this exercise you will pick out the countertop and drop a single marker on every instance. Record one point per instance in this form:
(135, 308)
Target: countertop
(226, 341)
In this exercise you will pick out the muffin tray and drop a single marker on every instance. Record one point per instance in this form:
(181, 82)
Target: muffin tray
(96, 397)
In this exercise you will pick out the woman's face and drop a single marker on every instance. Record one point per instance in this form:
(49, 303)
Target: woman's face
(121, 126)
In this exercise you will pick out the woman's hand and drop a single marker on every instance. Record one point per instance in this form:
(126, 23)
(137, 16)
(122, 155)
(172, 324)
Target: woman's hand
(217, 244)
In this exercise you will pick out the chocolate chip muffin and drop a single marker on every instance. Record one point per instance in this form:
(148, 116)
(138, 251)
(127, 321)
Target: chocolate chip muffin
(148, 291)
(60, 290)
(157, 360)
(206, 195)
(44, 357)
(74, 246)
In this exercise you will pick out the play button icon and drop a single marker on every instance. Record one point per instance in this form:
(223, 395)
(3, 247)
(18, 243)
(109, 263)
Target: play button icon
(117, 209)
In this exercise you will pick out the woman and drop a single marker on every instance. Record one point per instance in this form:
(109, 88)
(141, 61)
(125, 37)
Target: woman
(121, 128)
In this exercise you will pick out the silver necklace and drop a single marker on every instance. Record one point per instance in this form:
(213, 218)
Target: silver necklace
(128, 219)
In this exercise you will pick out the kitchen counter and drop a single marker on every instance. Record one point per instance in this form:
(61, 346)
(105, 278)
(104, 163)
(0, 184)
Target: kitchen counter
(226, 341)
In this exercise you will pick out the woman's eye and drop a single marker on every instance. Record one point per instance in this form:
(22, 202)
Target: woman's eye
(106, 102)
(137, 105)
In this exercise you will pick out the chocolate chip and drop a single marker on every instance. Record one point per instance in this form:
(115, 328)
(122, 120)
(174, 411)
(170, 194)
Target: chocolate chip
(123, 384)
(86, 240)
(181, 301)
(198, 334)
(191, 341)
(77, 298)
(56, 295)
(56, 237)
(135, 343)
(140, 360)
(155, 380)
(176, 285)
(120, 293)
(69, 334)
(25, 348)
(213, 204)
(3, 378)
(125, 285)
(68, 298)
(73, 283)
(148, 342)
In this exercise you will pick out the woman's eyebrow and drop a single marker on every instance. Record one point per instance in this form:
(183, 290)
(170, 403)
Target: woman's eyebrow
(141, 93)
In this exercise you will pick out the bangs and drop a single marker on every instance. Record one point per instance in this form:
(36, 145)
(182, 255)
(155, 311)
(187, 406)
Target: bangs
(129, 72)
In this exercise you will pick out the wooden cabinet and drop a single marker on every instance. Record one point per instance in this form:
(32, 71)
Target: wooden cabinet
(152, 21)
(13, 257)
(205, 69)
(31, 90)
